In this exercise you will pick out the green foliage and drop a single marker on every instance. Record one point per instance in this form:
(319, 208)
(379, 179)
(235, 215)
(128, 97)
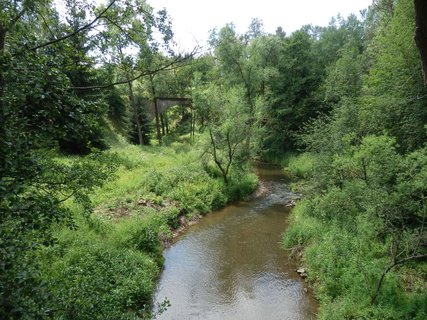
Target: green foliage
(91, 278)
(394, 97)
(107, 269)
(344, 78)
(26, 220)
(351, 221)
(139, 116)
(368, 225)
(227, 144)
(304, 228)
(191, 187)
(141, 234)
(354, 86)
(116, 109)
(300, 165)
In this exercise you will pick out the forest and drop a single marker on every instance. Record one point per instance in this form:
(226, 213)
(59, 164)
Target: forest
(96, 174)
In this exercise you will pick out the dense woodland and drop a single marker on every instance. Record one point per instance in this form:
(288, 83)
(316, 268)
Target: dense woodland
(84, 145)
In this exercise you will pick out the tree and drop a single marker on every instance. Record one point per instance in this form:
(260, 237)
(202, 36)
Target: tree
(290, 99)
(421, 33)
(227, 127)
(40, 107)
(393, 94)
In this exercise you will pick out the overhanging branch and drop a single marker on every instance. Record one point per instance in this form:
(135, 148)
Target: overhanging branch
(168, 66)
(69, 35)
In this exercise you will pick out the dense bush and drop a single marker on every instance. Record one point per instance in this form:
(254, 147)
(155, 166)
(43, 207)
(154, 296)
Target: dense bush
(363, 223)
(107, 266)
(97, 281)
(300, 165)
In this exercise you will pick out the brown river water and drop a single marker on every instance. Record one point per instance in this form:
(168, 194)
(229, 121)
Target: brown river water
(230, 265)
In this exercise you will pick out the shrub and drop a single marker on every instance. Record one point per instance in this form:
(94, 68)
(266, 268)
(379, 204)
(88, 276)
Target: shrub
(303, 228)
(301, 165)
(94, 281)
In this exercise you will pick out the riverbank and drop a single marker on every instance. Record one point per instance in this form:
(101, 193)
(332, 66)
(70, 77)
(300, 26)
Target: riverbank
(229, 265)
(338, 239)
(109, 262)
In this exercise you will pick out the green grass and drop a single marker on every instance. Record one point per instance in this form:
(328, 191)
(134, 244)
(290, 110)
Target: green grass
(345, 257)
(300, 165)
(107, 266)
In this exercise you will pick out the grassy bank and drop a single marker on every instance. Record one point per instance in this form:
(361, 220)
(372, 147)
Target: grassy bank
(106, 267)
(348, 245)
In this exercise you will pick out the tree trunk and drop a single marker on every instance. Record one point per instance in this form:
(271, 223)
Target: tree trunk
(2, 82)
(165, 114)
(421, 33)
(156, 110)
(193, 123)
(135, 113)
(216, 160)
(3, 130)
(162, 123)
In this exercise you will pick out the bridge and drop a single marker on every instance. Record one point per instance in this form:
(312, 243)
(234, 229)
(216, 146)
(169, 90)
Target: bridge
(164, 103)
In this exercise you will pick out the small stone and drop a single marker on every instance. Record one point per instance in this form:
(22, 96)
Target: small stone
(301, 270)
(142, 202)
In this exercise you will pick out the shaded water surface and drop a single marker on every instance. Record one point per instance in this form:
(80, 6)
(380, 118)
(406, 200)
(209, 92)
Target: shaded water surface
(230, 265)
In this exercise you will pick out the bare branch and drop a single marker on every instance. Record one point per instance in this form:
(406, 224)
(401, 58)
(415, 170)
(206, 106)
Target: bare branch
(390, 267)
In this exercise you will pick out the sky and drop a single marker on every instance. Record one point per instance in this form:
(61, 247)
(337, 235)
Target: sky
(193, 19)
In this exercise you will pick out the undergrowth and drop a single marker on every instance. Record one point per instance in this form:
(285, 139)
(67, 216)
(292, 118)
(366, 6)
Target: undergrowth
(346, 226)
(106, 266)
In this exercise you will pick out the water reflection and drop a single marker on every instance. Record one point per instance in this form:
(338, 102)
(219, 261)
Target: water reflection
(230, 265)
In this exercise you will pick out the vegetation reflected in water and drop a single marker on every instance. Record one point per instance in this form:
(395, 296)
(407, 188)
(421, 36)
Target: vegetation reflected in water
(230, 265)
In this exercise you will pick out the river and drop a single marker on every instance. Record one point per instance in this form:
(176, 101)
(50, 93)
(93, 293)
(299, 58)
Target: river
(230, 265)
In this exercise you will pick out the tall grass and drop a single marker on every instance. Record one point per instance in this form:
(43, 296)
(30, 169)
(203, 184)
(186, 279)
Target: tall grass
(300, 165)
(106, 267)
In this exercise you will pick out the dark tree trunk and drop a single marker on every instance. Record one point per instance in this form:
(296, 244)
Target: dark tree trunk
(2, 105)
(166, 121)
(156, 110)
(135, 114)
(421, 33)
(193, 123)
(163, 124)
(2, 46)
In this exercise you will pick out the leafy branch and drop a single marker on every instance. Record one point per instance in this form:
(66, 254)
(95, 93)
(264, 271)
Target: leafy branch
(169, 66)
(69, 35)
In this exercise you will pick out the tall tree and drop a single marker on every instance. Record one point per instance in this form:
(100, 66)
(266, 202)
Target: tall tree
(394, 96)
(421, 33)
